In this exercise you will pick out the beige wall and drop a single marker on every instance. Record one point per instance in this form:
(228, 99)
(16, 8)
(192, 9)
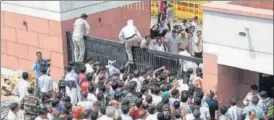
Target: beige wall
(19, 43)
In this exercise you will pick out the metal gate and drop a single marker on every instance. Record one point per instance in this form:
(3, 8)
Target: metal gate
(104, 50)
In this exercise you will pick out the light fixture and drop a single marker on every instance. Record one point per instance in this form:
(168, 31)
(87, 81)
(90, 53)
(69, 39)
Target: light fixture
(243, 34)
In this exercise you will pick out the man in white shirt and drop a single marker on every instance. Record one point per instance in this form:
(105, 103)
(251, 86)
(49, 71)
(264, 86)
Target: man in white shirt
(195, 24)
(198, 47)
(156, 95)
(131, 36)
(13, 113)
(183, 52)
(173, 42)
(253, 92)
(125, 110)
(89, 66)
(91, 94)
(81, 29)
(195, 115)
(22, 86)
(204, 110)
(85, 103)
(183, 83)
(184, 24)
(152, 45)
(145, 42)
(152, 113)
(111, 69)
(136, 75)
(234, 111)
(110, 111)
(169, 16)
(45, 83)
(160, 46)
(42, 114)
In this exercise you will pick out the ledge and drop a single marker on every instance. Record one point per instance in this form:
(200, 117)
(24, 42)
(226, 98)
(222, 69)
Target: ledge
(225, 7)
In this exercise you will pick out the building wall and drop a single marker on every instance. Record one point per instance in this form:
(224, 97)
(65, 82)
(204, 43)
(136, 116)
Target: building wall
(46, 31)
(250, 52)
(113, 20)
(20, 43)
(229, 82)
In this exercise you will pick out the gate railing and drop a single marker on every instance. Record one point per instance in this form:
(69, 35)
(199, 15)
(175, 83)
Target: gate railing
(103, 50)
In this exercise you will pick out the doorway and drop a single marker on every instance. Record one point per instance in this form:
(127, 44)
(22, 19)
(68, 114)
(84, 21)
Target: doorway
(266, 83)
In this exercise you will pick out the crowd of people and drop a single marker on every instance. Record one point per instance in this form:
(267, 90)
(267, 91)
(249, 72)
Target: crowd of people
(178, 37)
(110, 93)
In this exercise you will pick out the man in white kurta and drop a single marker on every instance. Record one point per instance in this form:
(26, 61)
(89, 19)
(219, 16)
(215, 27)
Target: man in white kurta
(131, 36)
(22, 86)
(73, 90)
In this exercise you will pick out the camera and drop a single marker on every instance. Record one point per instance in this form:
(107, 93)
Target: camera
(43, 63)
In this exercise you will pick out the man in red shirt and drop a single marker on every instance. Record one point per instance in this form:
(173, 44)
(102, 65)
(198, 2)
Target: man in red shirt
(136, 112)
(85, 84)
(162, 12)
(82, 75)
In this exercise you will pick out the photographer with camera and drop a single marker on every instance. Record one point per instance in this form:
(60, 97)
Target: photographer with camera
(40, 63)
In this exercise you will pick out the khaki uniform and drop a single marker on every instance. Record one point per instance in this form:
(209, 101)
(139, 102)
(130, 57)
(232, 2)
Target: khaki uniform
(134, 41)
(131, 36)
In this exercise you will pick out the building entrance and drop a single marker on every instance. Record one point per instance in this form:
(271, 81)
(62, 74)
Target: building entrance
(266, 82)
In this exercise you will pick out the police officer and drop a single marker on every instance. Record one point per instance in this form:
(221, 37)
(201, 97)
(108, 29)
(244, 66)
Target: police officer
(131, 36)
(30, 104)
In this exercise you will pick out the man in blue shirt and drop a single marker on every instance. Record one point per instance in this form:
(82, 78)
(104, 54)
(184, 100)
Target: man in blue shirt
(39, 64)
(254, 106)
(213, 105)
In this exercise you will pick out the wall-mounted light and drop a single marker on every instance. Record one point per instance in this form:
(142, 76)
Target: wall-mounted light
(243, 34)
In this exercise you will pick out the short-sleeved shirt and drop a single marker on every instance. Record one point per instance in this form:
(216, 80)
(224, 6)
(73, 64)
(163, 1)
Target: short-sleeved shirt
(224, 117)
(174, 41)
(82, 78)
(204, 111)
(84, 86)
(213, 106)
(259, 111)
(81, 28)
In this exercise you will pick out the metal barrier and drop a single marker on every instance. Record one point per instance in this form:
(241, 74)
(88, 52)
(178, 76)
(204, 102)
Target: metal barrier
(104, 50)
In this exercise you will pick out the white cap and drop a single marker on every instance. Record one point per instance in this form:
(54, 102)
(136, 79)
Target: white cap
(130, 22)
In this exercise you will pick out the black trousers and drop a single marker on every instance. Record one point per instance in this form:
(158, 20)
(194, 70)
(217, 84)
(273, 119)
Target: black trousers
(169, 26)
(198, 55)
(156, 33)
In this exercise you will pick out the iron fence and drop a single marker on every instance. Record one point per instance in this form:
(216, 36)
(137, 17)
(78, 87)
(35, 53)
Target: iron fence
(104, 50)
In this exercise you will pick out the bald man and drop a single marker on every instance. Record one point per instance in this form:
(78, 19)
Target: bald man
(131, 36)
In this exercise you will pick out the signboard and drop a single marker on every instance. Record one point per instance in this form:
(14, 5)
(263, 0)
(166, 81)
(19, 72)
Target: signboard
(182, 9)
